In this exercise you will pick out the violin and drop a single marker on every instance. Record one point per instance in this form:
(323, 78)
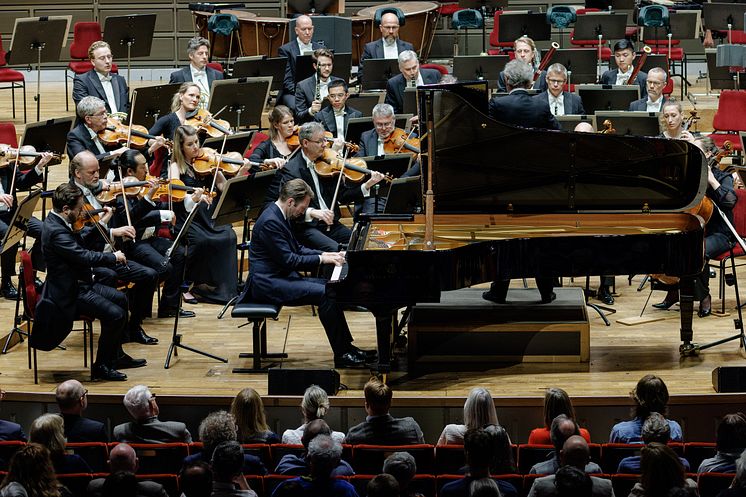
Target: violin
(130, 186)
(693, 118)
(176, 190)
(116, 133)
(293, 141)
(401, 141)
(207, 159)
(205, 122)
(355, 169)
(26, 156)
(87, 217)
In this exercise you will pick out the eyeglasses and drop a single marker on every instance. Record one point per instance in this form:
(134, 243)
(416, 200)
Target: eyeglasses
(336, 96)
(324, 65)
(384, 125)
(99, 114)
(656, 83)
(318, 142)
(557, 81)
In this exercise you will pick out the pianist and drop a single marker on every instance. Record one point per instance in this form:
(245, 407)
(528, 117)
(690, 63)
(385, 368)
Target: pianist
(276, 257)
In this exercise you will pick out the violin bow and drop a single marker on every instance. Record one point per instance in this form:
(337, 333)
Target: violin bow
(409, 135)
(339, 183)
(129, 129)
(106, 238)
(217, 164)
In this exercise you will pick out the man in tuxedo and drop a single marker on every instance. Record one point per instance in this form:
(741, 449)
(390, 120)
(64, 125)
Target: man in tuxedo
(519, 108)
(72, 399)
(320, 228)
(100, 82)
(560, 103)
(624, 55)
(372, 141)
(69, 290)
(655, 100)
(307, 102)
(411, 76)
(277, 256)
(335, 117)
(389, 46)
(146, 427)
(198, 51)
(302, 45)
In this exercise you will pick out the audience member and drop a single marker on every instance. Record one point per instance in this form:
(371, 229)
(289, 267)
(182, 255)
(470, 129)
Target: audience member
(72, 399)
(48, 430)
(383, 486)
(315, 405)
(13, 489)
(219, 427)
(484, 487)
(379, 426)
(573, 482)
(650, 395)
(120, 484)
(562, 428)
(403, 467)
(195, 479)
(479, 410)
(8, 429)
(146, 427)
(730, 444)
(122, 459)
(227, 478)
(503, 462)
(738, 487)
(654, 429)
(31, 469)
(248, 410)
(479, 449)
(575, 453)
(661, 472)
(556, 402)
(324, 454)
(291, 464)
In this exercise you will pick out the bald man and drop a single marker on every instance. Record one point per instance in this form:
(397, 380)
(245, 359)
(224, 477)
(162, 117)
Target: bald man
(389, 46)
(123, 458)
(301, 45)
(72, 399)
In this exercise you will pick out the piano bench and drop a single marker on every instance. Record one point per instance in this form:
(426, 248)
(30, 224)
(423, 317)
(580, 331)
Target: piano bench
(257, 315)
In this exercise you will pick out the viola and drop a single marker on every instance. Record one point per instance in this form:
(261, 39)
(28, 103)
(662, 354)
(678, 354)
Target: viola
(130, 186)
(293, 141)
(401, 141)
(176, 190)
(205, 122)
(87, 217)
(208, 160)
(330, 164)
(116, 133)
(26, 156)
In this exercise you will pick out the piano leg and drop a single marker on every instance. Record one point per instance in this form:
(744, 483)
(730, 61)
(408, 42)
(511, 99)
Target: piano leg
(386, 323)
(686, 310)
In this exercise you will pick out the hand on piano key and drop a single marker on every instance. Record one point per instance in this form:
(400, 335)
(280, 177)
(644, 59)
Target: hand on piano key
(336, 258)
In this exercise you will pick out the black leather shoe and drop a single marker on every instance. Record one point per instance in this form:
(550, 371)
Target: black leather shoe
(546, 300)
(349, 360)
(364, 354)
(705, 307)
(488, 295)
(190, 300)
(104, 372)
(38, 283)
(140, 336)
(126, 362)
(9, 291)
(171, 313)
(605, 296)
(666, 304)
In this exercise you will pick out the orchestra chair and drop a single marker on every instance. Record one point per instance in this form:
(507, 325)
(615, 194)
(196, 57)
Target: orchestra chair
(449, 459)
(256, 315)
(278, 451)
(465, 19)
(501, 46)
(728, 119)
(77, 483)
(530, 454)
(155, 459)
(623, 483)
(528, 482)
(696, 452)
(723, 261)
(15, 78)
(443, 70)
(711, 484)
(258, 138)
(84, 34)
(96, 454)
(7, 449)
(8, 134)
(217, 66)
(368, 459)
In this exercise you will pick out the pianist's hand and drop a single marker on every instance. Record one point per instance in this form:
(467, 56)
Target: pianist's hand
(324, 215)
(336, 258)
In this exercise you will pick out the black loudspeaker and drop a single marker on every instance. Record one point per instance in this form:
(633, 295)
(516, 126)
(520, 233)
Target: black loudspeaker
(295, 381)
(727, 379)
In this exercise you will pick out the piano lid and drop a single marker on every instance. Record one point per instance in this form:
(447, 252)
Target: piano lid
(482, 165)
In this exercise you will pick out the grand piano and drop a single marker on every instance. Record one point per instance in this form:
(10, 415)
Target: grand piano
(503, 202)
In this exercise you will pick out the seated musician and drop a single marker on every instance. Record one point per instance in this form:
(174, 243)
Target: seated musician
(184, 102)
(672, 122)
(277, 256)
(718, 236)
(84, 173)
(561, 103)
(276, 150)
(311, 92)
(198, 51)
(389, 46)
(519, 108)
(655, 100)
(335, 117)
(302, 45)
(525, 50)
(373, 142)
(410, 76)
(624, 55)
(101, 82)
(12, 179)
(84, 136)
(320, 227)
(69, 290)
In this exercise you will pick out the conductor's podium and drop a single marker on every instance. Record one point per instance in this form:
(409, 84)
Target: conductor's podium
(465, 328)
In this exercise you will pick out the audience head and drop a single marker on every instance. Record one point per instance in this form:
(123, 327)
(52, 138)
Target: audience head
(556, 79)
(573, 482)
(561, 429)
(198, 51)
(49, 430)
(227, 461)
(67, 201)
(408, 64)
(187, 96)
(140, 403)
(247, 409)
(383, 486)
(402, 466)
(377, 397)
(661, 469)
(479, 409)
(295, 196)
(740, 480)
(304, 29)
(525, 51)
(383, 120)
(123, 458)
(502, 457)
(195, 479)
(186, 146)
(624, 54)
(313, 429)
(575, 452)
(32, 468)
(216, 428)
(731, 433)
(518, 74)
(99, 53)
(484, 487)
(656, 429)
(556, 402)
(315, 403)
(479, 450)
(324, 454)
(650, 395)
(71, 397)
(389, 27)
(584, 127)
(120, 484)
(656, 82)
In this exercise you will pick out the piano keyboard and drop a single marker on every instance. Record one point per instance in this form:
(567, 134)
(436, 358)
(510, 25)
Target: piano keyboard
(339, 273)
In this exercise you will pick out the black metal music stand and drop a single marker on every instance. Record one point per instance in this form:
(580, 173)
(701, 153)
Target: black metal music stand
(364, 102)
(629, 123)
(378, 72)
(176, 337)
(724, 17)
(310, 6)
(479, 67)
(486, 8)
(581, 64)
(607, 97)
(391, 164)
(237, 142)
(569, 121)
(242, 100)
(255, 67)
(334, 32)
(36, 40)
(404, 196)
(153, 102)
(600, 26)
(130, 36)
(514, 25)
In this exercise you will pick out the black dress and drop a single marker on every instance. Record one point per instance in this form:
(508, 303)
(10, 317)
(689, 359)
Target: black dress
(165, 126)
(266, 150)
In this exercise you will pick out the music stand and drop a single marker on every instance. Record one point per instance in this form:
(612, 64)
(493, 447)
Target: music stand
(581, 64)
(36, 40)
(724, 17)
(334, 32)
(718, 77)
(607, 97)
(154, 102)
(405, 196)
(239, 99)
(631, 123)
(356, 126)
(255, 67)
(484, 7)
(479, 67)
(378, 72)
(600, 26)
(409, 105)
(569, 121)
(391, 164)
(237, 142)
(364, 102)
(314, 7)
(513, 25)
(130, 36)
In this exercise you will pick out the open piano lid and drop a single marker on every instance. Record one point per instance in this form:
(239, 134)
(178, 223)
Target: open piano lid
(482, 165)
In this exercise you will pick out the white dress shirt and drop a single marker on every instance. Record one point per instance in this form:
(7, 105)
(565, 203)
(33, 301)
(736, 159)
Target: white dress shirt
(200, 78)
(390, 50)
(339, 119)
(654, 106)
(557, 104)
(304, 48)
(623, 77)
(109, 91)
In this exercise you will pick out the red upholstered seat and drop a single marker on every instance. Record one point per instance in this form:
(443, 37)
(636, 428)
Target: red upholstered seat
(728, 119)
(15, 78)
(723, 261)
(495, 36)
(84, 34)
(448, 9)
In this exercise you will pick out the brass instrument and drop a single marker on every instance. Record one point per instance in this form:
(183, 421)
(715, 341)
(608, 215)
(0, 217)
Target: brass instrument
(545, 61)
(646, 50)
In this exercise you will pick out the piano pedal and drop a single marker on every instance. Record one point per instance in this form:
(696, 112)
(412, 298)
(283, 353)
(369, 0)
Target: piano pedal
(689, 349)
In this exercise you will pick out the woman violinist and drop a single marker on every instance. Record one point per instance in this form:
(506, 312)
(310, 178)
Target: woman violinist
(184, 101)
(211, 249)
(277, 149)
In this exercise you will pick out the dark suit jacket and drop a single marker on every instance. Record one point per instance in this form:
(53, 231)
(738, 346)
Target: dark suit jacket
(642, 104)
(152, 431)
(395, 88)
(326, 117)
(609, 78)
(145, 488)
(305, 92)
(521, 109)
(540, 83)
(374, 50)
(386, 430)
(573, 104)
(291, 51)
(368, 144)
(11, 431)
(185, 74)
(79, 140)
(24, 180)
(68, 265)
(252, 465)
(80, 429)
(89, 84)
